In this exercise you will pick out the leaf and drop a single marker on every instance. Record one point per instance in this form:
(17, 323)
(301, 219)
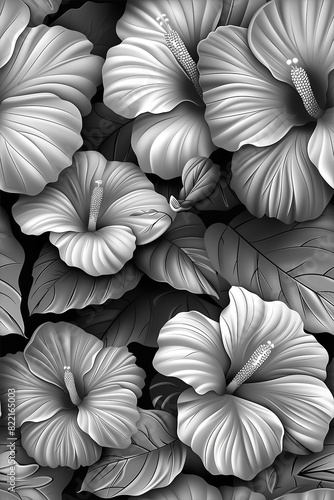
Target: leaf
(239, 13)
(11, 262)
(164, 392)
(117, 146)
(185, 487)
(97, 22)
(57, 287)
(293, 263)
(199, 177)
(140, 314)
(154, 458)
(179, 257)
(100, 124)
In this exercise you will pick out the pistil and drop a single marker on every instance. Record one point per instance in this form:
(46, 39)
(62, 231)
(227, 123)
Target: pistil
(302, 84)
(255, 361)
(95, 204)
(177, 47)
(70, 386)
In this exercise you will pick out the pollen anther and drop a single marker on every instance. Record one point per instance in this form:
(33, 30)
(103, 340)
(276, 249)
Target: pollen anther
(70, 386)
(302, 84)
(95, 204)
(255, 361)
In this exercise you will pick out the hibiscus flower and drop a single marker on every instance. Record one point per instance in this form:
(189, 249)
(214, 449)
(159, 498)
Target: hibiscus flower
(47, 82)
(256, 384)
(97, 212)
(269, 96)
(152, 76)
(73, 395)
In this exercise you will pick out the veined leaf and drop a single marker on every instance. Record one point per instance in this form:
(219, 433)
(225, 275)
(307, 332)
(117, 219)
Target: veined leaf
(140, 314)
(58, 287)
(164, 392)
(154, 458)
(179, 257)
(11, 262)
(293, 263)
(222, 198)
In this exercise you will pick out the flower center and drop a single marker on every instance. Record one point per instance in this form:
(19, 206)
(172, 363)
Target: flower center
(95, 204)
(302, 84)
(70, 386)
(176, 45)
(255, 361)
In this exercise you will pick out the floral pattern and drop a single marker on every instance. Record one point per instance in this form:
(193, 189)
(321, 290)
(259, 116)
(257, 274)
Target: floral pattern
(167, 249)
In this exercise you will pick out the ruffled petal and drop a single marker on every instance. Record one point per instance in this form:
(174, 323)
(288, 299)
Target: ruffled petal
(15, 17)
(231, 435)
(304, 29)
(163, 144)
(248, 321)
(114, 366)
(142, 76)
(193, 20)
(245, 104)
(304, 405)
(35, 399)
(190, 348)
(55, 345)
(104, 251)
(59, 441)
(109, 416)
(280, 180)
(41, 8)
(38, 135)
(321, 146)
(55, 60)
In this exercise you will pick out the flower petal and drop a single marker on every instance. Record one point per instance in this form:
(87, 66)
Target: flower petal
(190, 348)
(316, 494)
(59, 441)
(15, 17)
(41, 8)
(109, 415)
(104, 251)
(248, 322)
(55, 60)
(193, 20)
(142, 76)
(114, 366)
(55, 345)
(163, 144)
(280, 180)
(304, 405)
(283, 30)
(321, 146)
(33, 146)
(35, 399)
(231, 435)
(245, 104)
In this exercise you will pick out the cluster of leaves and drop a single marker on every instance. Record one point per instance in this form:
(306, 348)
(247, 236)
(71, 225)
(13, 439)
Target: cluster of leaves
(212, 243)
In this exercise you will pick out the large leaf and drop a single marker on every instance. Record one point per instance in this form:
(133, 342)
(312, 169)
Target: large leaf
(164, 392)
(185, 487)
(140, 314)
(293, 263)
(154, 458)
(11, 261)
(100, 124)
(57, 287)
(179, 257)
(97, 22)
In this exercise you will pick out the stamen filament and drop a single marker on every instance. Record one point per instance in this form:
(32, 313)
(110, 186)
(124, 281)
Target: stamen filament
(95, 204)
(255, 361)
(70, 386)
(302, 84)
(177, 47)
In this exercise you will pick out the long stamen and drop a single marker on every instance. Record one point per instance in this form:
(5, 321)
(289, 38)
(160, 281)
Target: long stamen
(255, 361)
(95, 204)
(302, 84)
(70, 386)
(175, 44)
